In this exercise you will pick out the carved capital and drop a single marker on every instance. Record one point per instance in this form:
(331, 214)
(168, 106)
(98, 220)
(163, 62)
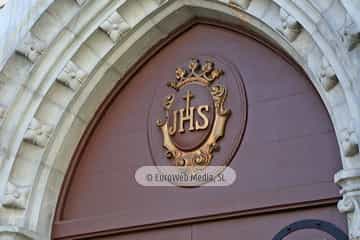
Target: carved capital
(350, 206)
(244, 4)
(349, 181)
(16, 196)
(115, 26)
(37, 133)
(347, 205)
(72, 76)
(31, 47)
(289, 26)
(328, 78)
(349, 142)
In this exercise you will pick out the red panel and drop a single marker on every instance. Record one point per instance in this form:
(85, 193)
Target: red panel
(288, 155)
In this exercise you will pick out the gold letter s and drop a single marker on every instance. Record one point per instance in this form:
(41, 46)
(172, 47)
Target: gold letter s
(203, 117)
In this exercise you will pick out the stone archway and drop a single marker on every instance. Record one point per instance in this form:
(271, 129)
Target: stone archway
(69, 62)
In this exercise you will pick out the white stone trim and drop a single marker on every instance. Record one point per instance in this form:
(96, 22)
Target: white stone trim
(103, 57)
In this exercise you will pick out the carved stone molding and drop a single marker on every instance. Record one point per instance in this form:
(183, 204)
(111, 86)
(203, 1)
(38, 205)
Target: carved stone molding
(349, 142)
(16, 196)
(244, 4)
(328, 78)
(349, 181)
(72, 76)
(289, 26)
(115, 26)
(31, 47)
(37, 133)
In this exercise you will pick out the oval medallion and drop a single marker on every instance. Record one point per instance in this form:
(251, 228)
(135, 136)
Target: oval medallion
(199, 116)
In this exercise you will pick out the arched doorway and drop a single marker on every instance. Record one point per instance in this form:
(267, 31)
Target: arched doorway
(285, 158)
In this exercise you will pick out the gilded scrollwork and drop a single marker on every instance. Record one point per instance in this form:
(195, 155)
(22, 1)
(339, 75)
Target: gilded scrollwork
(219, 94)
(203, 75)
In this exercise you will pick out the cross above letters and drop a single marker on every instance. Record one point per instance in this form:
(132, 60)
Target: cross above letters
(188, 98)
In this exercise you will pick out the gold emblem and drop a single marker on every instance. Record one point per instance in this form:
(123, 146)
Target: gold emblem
(192, 119)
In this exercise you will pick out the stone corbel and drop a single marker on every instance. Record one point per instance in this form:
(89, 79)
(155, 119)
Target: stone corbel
(349, 181)
(31, 48)
(349, 142)
(328, 78)
(350, 37)
(37, 133)
(289, 26)
(115, 26)
(15, 196)
(244, 4)
(72, 76)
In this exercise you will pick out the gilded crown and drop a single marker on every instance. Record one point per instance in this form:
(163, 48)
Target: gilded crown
(203, 74)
